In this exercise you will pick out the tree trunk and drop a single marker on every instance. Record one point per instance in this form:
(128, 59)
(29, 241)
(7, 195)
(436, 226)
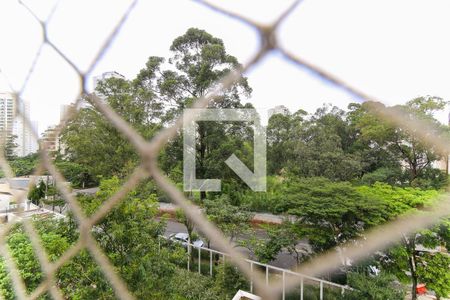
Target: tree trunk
(413, 277)
(411, 247)
(413, 173)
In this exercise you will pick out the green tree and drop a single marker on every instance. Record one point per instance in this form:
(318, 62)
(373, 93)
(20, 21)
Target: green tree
(392, 176)
(435, 272)
(407, 257)
(402, 145)
(266, 248)
(81, 278)
(379, 287)
(185, 285)
(231, 220)
(37, 193)
(92, 142)
(199, 60)
(78, 175)
(323, 147)
(398, 200)
(229, 280)
(282, 131)
(154, 99)
(331, 213)
(27, 263)
(128, 235)
(54, 198)
(26, 165)
(10, 146)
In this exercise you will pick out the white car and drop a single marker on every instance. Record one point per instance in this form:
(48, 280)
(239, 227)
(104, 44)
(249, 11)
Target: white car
(183, 238)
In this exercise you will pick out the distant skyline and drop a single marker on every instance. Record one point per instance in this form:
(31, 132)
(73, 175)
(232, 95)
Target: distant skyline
(15, 125)
(393, 50)
(26, 143)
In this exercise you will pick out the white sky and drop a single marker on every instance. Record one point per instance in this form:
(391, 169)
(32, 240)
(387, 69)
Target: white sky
(393, 50)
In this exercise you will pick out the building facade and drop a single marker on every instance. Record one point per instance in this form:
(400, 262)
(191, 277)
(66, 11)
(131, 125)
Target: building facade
(280, 109)
(26, 143)
(13, 125)
(51, 140)
(7, 111)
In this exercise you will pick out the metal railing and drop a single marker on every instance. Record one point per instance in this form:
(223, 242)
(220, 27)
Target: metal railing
(148, 152)
(281, 275)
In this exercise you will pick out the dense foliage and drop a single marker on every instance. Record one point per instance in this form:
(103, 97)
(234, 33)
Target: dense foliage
(22, 166)
(380, 287)
(129, 237)
(285, 194)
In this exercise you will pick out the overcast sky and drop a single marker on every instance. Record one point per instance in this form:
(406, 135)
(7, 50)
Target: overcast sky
(393, 50)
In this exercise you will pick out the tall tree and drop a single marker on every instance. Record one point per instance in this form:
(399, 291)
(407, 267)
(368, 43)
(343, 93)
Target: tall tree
(159, 93)
(37, 193)
(436, 273)
(407, 258)
(231, 220)
(25, 165)
(282, 132)
(10, 147)
(380, 287)
(94, 143)
(329, 213)
(403, 145)
(128, 235)
(323, 147)
(199, 60)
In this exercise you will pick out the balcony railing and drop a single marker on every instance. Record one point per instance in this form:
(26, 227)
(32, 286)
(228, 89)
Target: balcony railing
(271, 272)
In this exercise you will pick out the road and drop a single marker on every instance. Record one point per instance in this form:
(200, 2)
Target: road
(284, 259)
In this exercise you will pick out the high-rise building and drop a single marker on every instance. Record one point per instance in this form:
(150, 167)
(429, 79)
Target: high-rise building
(106, 75)
(279, 109)
(51, 139)
(7, 111)
(26, 143)
(63, 111)
(34, 144)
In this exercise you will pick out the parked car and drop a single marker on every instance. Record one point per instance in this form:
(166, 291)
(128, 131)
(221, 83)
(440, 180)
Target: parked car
(183, 239)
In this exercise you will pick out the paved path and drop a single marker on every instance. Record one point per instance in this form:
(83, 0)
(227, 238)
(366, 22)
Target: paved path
(283, 260)
(258, 218)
